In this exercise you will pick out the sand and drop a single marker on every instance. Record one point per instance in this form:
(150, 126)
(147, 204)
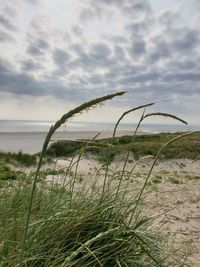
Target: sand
(31, 142)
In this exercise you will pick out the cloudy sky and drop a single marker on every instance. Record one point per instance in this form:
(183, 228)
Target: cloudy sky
(56, 54)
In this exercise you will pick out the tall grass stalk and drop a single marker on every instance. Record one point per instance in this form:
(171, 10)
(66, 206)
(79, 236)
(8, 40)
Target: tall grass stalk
(87, 244)
(126, 113)
(84, 107)
(80, 154)
(137, 127)
(167, 115)
(143, 116)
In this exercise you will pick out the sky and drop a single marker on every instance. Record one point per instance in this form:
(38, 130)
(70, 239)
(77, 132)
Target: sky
(57, 54)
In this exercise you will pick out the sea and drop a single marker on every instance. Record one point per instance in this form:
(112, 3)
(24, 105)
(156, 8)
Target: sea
(16, 126)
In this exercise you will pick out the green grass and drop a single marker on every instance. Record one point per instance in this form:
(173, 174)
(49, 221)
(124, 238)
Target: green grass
(188, 147)
(18, 158)
(89, 231)
(6, 173)
(64, 148)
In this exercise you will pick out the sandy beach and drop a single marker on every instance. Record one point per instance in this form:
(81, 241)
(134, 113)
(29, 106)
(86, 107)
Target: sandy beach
(31, 142)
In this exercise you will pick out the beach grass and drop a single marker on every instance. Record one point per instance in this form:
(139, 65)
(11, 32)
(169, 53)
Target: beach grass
(143, 145)
(84, 232)
(18, 158)
(42, 224)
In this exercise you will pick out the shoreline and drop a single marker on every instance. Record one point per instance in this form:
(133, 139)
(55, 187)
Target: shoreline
(31, 142)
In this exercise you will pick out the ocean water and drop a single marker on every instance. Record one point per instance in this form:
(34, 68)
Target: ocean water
(12, 126)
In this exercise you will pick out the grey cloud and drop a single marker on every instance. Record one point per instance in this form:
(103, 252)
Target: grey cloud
(10, 11)
(185, 76)
(127, 70)
(78, 48)
(83, 59)
(95, 9)
(38, 47)
(195, 6)
(42, 44)
(138, 28)
(86, 14)
(98, 55)
(176, 42)
(77, 30)
(60, 57)
(140, 5)
(137, 7)
(20, 83)
(185, 64)
(185, 39)
(5, 37)
(108, 2)
(169, 19)
(138, 48)
(96, 79)
(5, 66)
(7, 23)
(117, 39)
(34, 50)
(111, 75)
(126, 6)
(84, 62)
(162, 50)
(141, 78)
(29, 65)
(100, 51)
(39, 27)
(34, 2)
(119, 52)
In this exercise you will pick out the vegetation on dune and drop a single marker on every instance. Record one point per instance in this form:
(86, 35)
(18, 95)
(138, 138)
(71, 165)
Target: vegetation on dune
(67, 226)
(6, 173)
(64, 148)
(18, 158)
(143, 145)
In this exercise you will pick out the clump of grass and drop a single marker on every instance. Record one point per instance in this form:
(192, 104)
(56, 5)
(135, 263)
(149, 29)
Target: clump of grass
(89, 232)
(106, 155)
(175, 180)
(64, 148)
(19, 158)
(6, 173)
(157, 179)
(86, 234)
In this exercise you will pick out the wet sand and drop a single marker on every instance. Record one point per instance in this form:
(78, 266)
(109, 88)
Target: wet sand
(31, 142)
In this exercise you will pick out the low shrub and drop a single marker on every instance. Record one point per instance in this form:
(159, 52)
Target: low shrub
(7, 174)
(21, 158)
(63, 148)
